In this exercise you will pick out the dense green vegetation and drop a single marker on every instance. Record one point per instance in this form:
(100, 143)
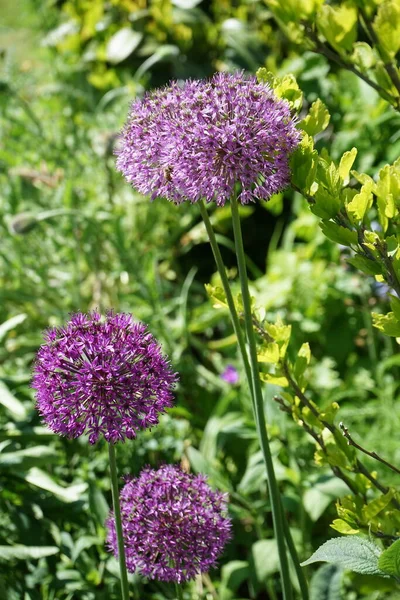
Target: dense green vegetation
(76, 237)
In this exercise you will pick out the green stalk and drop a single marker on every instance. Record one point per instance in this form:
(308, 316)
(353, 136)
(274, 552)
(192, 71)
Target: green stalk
(246, 364)
(118, 525)
(178, 591)
(259, 405)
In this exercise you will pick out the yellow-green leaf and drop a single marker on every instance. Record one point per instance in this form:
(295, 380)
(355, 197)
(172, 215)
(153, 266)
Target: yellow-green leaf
(338, 24)
(317, 119)
(387, 27)
(346, 162)
(361, 203)
(343, 527)
(387, 323)
(269, 353)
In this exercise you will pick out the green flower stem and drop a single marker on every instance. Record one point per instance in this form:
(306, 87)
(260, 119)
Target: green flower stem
(246, 364)
(118, 525)
(178, 592)
(276, 506)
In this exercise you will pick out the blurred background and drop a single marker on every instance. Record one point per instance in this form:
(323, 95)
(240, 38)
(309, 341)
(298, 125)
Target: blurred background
(75, 236)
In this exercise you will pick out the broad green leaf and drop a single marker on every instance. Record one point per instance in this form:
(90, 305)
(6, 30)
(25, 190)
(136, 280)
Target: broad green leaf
(42, 480)
(395, 306)
(317, 119)
(338, 234)
(201, 465)
(326, 583)
(373, 508)
(327, 205)
(352, 553)
(12, 404)
(387, 27)
(321, 493)
(387, 323)
(338, 24)
(268, 353)
(122, 44)
(84, 542)
(389, 560)
(361, 203)
(11, 324)
(346, 162)
(98, 504)
(365, 265)
(264, 559)
(28, 457)
(20, 552)
(233, 574)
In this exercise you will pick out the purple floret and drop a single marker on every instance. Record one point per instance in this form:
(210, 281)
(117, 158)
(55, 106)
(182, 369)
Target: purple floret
(174, 525)
(102, 377)
(202, 139)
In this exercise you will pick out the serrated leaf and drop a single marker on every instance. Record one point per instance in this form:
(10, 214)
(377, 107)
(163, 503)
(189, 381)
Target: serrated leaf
(317, 119)
(327, 205)
(352, 553)
(303, 162)
(389, 560)
(346, 162)
(337, 233)
(26, 552)
(122, 44)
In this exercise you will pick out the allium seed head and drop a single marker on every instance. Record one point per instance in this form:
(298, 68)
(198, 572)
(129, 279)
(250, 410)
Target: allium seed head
(101, 377)
(174, 525)
(206, 137)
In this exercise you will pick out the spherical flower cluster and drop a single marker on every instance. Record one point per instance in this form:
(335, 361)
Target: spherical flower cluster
(101, 377)
(209, 139)
(174, 525)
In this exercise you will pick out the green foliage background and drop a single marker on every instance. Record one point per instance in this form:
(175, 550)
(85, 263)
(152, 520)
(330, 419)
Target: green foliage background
(75, 237)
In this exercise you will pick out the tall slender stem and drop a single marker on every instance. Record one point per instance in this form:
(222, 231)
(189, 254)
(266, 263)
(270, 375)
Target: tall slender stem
(259, 405)
(178, 591)
(118, 525)
(246, 364)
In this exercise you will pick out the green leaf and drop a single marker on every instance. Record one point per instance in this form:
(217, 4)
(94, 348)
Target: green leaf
(361, 203)
(353, 553)
(28, 457)
(363, 56)
(389, 560)
(327, 205)
(338, 234)
(264, 559)
(84, 542)
(11, 324)
(269, 353)
(373, 508)
(302, 360)
(98, 504)
(346, 162)
(321, 494)
(387, 323)
(122, 44)
(26, 552)
(326, 583)
(233, 574)
(285, 87)
(303, 164)
(42, 480)
(387, 27)
(13, 405)
(365, 265)
(338, 25)
(317, 119)
(343, 527)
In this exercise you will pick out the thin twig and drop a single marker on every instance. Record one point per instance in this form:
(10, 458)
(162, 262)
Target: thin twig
(374, 455)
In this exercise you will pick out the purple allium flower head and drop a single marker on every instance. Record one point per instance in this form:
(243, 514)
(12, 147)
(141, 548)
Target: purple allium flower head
(174, 525)
(101, 377)
(230, 375)
(201, 139)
